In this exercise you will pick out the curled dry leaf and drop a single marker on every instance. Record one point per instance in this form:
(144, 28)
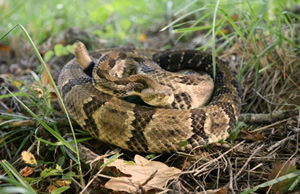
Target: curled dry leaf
(53, 96)
(28, 158)
(61, 183)
(27, 171)
(46, 82)
(252, 136)
(57, 184)
(281, 170)
(143, 174)
(40, 92)
(51, 188)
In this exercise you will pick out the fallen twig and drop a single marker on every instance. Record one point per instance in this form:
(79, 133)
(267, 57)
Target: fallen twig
(267, 117)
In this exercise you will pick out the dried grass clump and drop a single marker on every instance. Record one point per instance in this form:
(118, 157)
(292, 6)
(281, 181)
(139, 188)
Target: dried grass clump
(270, 81)
(270, 72)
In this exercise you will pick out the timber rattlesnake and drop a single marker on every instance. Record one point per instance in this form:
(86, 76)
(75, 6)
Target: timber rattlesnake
(179, 123)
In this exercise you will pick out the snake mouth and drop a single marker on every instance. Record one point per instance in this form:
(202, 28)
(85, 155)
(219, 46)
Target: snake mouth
(162, 98)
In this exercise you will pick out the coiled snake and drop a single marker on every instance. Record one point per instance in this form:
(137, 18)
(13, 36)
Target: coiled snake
(99, 92)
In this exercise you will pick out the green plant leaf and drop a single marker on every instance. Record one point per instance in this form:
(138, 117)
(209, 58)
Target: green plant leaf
(21, 181)
(60, 50)
(48, 55)
(272, 182)
(50, 172)
(60, 190)
(45, 125)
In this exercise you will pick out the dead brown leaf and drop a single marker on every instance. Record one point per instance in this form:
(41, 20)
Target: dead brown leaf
(252, 136)
(61, 183)
(57, 184)
(46, 82)
(39, 91)
(222, 190)
(45, 78)
(215, 191)
(143, 174)
(27, 171)
(51, 188)
(280, 170)
(28, 158)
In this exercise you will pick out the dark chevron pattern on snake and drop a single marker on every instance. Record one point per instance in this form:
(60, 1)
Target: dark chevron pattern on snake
(143, 128)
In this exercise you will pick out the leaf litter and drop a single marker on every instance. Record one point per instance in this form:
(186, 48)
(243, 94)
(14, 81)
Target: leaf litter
(141, 174)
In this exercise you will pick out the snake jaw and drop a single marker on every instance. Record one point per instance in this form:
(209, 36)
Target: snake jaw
(158, 98)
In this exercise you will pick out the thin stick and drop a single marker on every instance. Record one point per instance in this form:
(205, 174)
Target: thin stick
(247, 162)
(268, 126)
(216, 159)
(230, 184)
(267, 117)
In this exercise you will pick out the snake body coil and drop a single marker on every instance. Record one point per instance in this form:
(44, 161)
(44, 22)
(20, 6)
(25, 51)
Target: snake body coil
(107, 116)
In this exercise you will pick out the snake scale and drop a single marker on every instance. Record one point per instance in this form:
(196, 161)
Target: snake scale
(179, 124)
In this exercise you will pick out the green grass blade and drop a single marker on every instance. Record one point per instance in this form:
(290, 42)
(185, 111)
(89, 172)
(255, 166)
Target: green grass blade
(18, 177)
(37, 53)
(235, 27)
(192, 29)
(194, 25)
(182, 17)
(11, 176)
(53, 132)
(273, 181)
(9, 95)
(60, 190)
(213, 39)
(12, 11)
(256, 64)
(185, 7)
(16, 188)
(110, 160)
(294, 184)
(23, 142)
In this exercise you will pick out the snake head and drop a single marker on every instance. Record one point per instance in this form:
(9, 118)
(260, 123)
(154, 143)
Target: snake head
(151, 91)
(159, 97)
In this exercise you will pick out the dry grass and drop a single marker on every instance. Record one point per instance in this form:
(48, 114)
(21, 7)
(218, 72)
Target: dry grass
(250, 159)
(276, 85)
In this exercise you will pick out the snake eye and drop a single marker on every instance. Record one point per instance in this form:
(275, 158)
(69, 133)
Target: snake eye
(138, 87)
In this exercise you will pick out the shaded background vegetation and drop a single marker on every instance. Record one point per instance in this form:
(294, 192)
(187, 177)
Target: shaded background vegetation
(122, 20)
